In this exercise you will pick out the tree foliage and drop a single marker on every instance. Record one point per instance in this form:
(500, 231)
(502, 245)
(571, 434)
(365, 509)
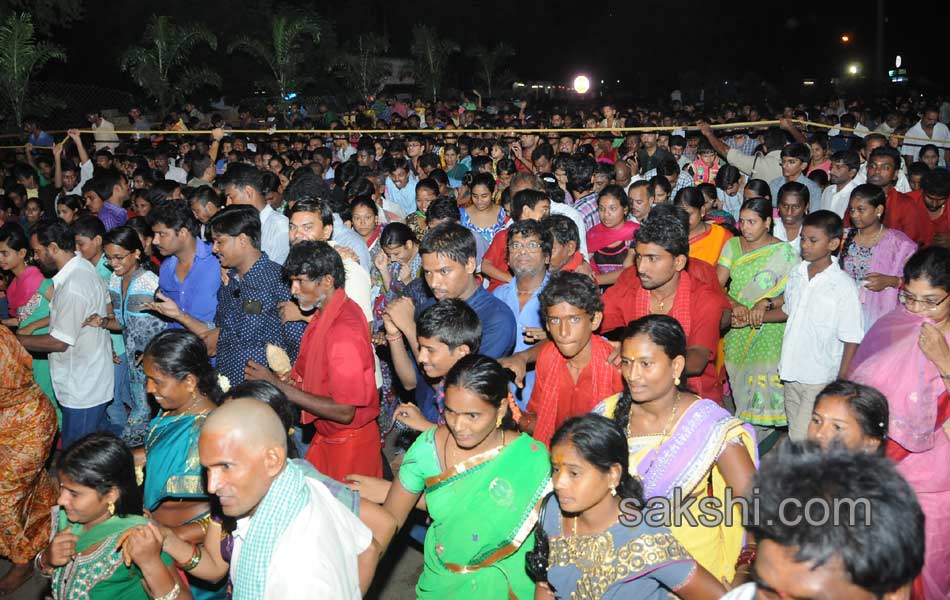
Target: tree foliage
(489, 64)
(163, 65)
(431, 56)
(21, 57)
(45, 13)
(284, 52)
(361, 65)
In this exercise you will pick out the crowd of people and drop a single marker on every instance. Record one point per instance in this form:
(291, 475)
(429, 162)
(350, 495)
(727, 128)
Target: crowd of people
(249, 364)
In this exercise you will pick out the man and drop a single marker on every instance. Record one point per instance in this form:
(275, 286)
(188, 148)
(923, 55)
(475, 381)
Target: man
(580, 173)
(334, 375)
(293, 538)
(35, 136)
(105, 136)
(242, 186)
(138, 122)
(528, 256)
(526, 181)
(650, 155)
(660, 284)
(573, 372)
(928, 130)
(401, 186)
(526, 204)
(900, 212)
(874, 551)
(247, 316)
(837, 196)
(448, 267)
(522, 151)
(766, 167)
(795, 159)
(872, 142)
(105, 194)
(80, 357)
(69, 179)
(641, 200)
(312, 221)
(933, 195)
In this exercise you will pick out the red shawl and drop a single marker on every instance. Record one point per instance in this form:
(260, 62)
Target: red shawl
(315, 374)
(601, 236)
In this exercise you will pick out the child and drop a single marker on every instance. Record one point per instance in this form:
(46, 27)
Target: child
(573, 374)
(447, 331)
(706, 166)
(824, 321)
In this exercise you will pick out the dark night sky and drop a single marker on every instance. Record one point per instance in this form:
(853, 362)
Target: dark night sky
(554, 39)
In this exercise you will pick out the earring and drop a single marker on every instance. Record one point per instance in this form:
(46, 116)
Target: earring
(613, 490)
(676, 381)
(111, 508)
(499, 420)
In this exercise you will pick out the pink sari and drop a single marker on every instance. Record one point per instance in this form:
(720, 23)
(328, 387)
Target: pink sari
(890, 360)
(889, 257)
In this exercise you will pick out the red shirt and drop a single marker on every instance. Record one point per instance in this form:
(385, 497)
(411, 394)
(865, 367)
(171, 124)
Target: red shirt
(497, 255)
(903, 213)
(697, 305)
(940, 224)
(576, 261)
(350, 368)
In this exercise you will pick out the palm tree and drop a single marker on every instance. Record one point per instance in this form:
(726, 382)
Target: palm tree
(489, 63)
(284, 53)
(361, 67)
(21, 56)
(163, 66)
(431, 53)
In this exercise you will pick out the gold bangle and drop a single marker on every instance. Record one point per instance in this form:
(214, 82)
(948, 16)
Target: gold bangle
(204, 522)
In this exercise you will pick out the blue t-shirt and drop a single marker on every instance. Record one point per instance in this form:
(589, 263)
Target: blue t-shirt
(529, 316)
(499, 330)
(197, 295)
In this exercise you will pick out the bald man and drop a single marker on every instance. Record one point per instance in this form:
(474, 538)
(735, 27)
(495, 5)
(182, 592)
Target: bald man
(293, 538)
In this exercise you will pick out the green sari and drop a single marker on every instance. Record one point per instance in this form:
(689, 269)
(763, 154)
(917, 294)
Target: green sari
(483, 514)
(39, 309)
(101, 574)
(752, 355)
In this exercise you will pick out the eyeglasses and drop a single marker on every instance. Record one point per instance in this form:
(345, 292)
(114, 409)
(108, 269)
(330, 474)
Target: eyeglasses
(117, 257)
(928, 305)
(530, 246)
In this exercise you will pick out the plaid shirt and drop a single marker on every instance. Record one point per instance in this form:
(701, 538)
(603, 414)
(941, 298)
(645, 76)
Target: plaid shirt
(587, 206)
(746, 147)
(685, 180)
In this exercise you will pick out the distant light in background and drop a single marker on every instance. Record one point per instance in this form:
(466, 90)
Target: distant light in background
(854, 68)
(845, 39)
(581, 84)
(897, 62)
(808, 82)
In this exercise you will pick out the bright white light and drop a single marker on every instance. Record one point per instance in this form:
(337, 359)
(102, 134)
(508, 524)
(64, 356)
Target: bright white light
(581, 84)
(897, 62)
(853, 69)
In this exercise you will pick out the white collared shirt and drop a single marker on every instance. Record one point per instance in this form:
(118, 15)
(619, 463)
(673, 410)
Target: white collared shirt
(940, 139)
(83, 374)
(317, 556)
(835, 201)
(176, 174)
(275, 234)
(824, 313)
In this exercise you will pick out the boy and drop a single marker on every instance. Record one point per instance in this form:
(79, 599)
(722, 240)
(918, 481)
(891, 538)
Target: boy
(795, 160)
(565, 242)
(573, 374)
(447, 331)
(824, 321)
(526, 204)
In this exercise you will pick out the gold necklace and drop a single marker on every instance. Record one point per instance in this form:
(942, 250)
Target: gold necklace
(663, 435)
(660, 303)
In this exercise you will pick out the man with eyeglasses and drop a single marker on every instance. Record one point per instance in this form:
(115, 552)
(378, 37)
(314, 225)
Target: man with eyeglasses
(528, 257)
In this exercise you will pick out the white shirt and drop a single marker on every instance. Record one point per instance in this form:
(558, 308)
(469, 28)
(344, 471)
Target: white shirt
(559, 208)
(357, 285)
(105, 135)
(275, 234)
(902, 185)
(824, 313)
(859, 130)
(779, 232)
(83, 374)
(835, 201)
(940, 139)
(316, 556)
(176, 174)
(745, 591)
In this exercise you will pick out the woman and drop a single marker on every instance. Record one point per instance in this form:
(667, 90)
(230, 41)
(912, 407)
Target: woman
(610, 242)
(793, 199)
(483, 485)
(453, 168)
(756, 266)
(680, 443)
(483, 216)
(98, 501)
(364, 218)
(929, 155)
(874, 255)
(594, 552)
(28, 298)
(27, 428)
(705, 239)
(70, 207)
(32, 214)
(851, 415)
(905, 355)
(130, 286)
(180, 379)
(820, 154)
(661, 189)
(758, 188)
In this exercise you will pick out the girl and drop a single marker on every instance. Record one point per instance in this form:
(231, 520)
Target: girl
(70, 207)
(705, 239)
(849, 415)
(610, 242)
(483, 216)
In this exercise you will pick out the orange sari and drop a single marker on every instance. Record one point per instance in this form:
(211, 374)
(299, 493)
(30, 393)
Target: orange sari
(27, 428)
(707, 246)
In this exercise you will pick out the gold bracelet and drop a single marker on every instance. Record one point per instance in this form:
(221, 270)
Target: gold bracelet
(204, 522)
